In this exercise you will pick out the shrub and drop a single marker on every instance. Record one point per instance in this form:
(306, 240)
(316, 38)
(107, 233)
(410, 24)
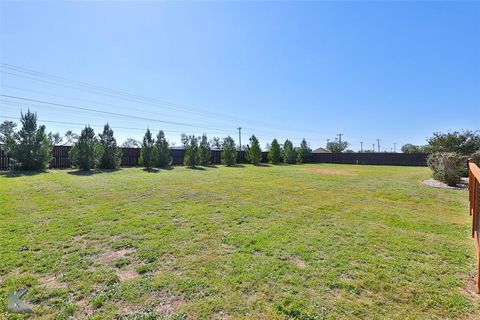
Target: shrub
(254, 153)
(163, 150)
(304, 153)
(87, 151)
(112, 154)
(476, 157)
(465, 142)
(229, 152)
(289, 154)
(191, 158)
(205, 152)
(447, 167)
(148, 155)
(29, 148)
(274, 153)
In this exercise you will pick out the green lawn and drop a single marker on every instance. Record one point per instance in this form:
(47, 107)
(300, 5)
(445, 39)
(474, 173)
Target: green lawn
(276, 242)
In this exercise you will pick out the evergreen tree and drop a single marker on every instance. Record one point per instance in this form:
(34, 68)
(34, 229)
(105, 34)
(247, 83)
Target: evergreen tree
(112, 154)
(216, 143)
(205, 152)
(289, 154)
(29, 148)
(229, 152)
(274, 153)
(87, 151)
(163, 150)
(7, 131)
(191, 158)
(148, 152)
(253, 151)
(304, 153)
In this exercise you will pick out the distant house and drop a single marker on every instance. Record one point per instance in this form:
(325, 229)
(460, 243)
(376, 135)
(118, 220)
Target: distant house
(321, 150)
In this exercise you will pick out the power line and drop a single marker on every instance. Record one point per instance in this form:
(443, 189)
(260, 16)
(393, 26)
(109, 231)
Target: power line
(119, 94)
(84, 100)
(91, 125)
(60, 105)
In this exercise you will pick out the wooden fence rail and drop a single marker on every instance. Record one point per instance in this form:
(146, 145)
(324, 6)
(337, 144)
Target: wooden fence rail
(474, 198)
(131, 157)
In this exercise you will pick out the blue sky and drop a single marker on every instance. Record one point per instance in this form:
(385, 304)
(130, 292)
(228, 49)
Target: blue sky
(397, 71)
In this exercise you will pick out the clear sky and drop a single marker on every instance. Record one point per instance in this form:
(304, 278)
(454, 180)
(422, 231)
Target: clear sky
(396, 71)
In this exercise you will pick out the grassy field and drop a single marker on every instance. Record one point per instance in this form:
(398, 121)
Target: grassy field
(276, 242)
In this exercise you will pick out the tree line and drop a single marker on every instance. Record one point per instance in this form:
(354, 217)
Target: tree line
(30, 148)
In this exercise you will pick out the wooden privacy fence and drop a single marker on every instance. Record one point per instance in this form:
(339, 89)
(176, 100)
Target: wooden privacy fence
(474, 198)
(374, 158)
(131, 157)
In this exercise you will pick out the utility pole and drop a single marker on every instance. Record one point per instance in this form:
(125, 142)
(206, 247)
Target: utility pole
(373, 148)
(378, 144)
(361, 146)
(240, 138)
(394, 147)
(340, 137)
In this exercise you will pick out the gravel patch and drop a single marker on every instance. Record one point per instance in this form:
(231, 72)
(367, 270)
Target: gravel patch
(463, 185)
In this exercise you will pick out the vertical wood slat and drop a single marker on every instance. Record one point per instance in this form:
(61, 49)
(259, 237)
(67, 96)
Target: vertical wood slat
(474, 200)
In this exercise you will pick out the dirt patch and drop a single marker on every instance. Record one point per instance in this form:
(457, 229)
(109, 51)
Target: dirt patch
(52, 283)
(470, 289)
(84, 309)
(167, 303)
(299, 262)
(109, 257)
(128, 274)
(330, 171)
(463, 185)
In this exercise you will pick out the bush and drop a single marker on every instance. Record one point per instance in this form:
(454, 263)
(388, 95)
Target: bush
(447, 167)
(254, 153)
(289, 154)
(274, 153)
(87, 151)
(112, 154)
(465, 142)
(476, 158)
(148, 154)
(163, 150)
(205, 152)
(192, 156)
(304, 153)
(229, 152)
(29, 148)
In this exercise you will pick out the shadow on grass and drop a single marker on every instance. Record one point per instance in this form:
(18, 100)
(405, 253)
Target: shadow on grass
(263, 164)
(92, 172)
(151, 170)
(19, 173)
(211, 166)
(238, 166)
(196, 168)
